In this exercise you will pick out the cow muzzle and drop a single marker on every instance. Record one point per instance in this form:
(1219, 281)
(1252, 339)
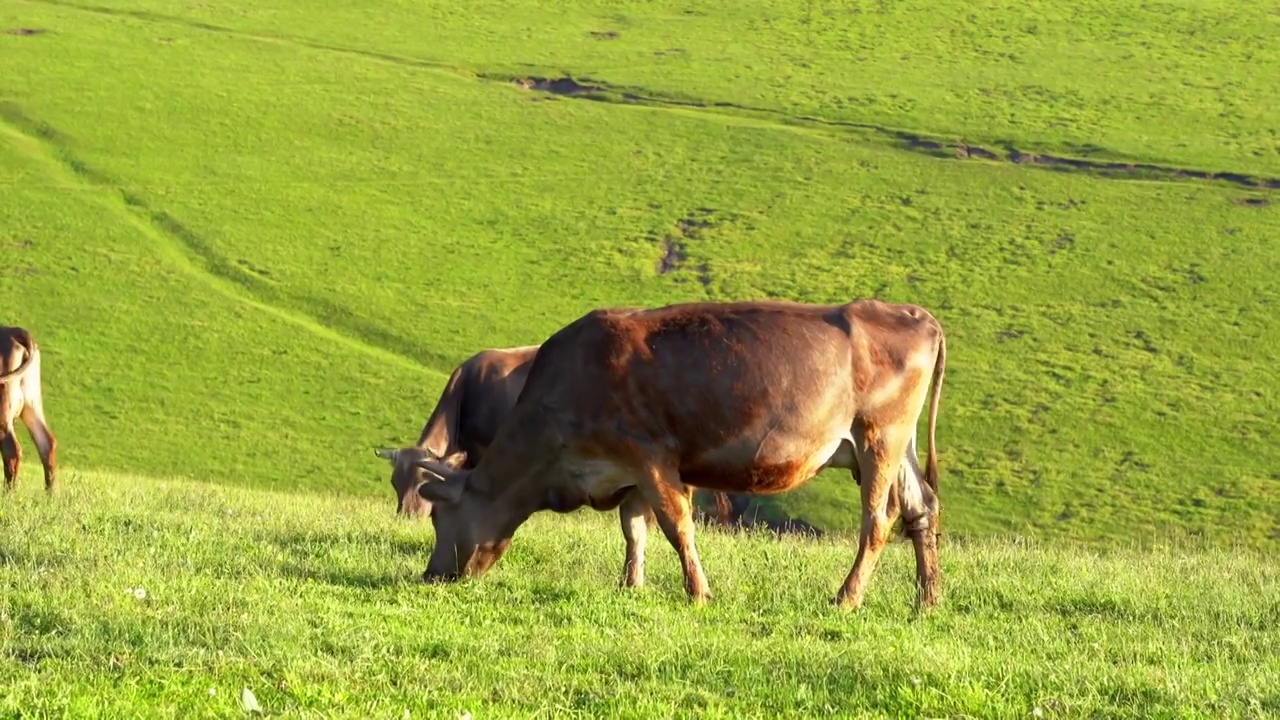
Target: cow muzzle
(440, 578)
(413, 506)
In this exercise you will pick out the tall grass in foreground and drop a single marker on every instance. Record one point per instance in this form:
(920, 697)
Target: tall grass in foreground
(129, 597)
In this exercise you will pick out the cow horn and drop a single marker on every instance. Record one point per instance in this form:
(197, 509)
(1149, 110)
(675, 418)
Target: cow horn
(435, 467)
(387, 454)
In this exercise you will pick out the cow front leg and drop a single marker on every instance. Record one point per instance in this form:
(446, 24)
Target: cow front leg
(879, 463)
(636, 517)
(672, 503)
(11, 453)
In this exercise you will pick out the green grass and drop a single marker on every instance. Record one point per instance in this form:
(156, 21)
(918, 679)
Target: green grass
(316, 607)
(253, 239)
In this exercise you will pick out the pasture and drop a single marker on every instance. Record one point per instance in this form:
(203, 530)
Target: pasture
(252, 240)
(316, 607)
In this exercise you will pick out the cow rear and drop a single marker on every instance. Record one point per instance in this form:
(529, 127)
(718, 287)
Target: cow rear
(21, 397)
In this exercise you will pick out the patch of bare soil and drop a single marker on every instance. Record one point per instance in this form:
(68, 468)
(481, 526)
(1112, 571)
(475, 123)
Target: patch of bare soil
(968, 151)
(918, 143)
(605, 34)
(25, 31)
(1104, 167)
(675, 247)
(674, 254)
(557, 86)
(1252, 202)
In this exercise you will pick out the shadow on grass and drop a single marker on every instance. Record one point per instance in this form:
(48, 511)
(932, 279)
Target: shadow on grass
(349, 578)
(334, 558)
(331, 543)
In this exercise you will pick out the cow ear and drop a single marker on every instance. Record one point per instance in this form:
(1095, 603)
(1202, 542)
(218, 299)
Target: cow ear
(454, 461)
(390, 454)
(442, 490)
(443, 484)
(435, 467)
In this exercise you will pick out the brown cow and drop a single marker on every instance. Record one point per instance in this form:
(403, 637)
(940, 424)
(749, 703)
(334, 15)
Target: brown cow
(479, 395)
(477, 398)
(20, 395)
(751, 397)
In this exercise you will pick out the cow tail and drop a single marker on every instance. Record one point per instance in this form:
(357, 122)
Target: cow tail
(22, 339)
(939, 370)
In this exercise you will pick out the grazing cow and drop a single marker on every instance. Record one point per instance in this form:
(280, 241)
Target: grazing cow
(20, 395)
(479, 395)
(753, 397)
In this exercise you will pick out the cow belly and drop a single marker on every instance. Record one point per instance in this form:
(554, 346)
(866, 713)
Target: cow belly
(774, 468)
(600, 484)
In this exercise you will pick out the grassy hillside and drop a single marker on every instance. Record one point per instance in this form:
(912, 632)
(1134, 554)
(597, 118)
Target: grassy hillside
(316, 608)
(252, 238)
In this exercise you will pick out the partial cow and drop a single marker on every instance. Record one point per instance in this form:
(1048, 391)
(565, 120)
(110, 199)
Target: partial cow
(479, 395)
(20, 396)
(753, 397)
(477, 398)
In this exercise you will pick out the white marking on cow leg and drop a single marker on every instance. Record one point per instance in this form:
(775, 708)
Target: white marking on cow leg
(893, 501)
(46, 443)
(673, 506)
(880, 464)
(906, 495)
(635, 515)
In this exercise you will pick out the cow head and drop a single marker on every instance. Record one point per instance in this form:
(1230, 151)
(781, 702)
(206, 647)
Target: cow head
(407, 474)
(471, 532)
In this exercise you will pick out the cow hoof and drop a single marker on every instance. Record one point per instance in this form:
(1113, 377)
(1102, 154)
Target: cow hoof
(846, 602)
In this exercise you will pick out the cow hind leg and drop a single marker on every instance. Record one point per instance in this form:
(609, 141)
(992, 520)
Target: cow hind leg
(11, 453)
(879, 462)
(919, 519)
(46, 443)
(636, 517)
(672, 503)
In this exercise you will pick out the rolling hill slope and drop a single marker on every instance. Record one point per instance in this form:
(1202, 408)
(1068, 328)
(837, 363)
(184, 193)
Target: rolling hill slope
(252, 240)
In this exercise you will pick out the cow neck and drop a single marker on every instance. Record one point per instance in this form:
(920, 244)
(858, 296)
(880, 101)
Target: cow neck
(516, 497)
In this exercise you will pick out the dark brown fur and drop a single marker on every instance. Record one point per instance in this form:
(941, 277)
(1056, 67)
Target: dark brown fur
(750, 397)
(480, 394)
(21, 395)
(477, 398)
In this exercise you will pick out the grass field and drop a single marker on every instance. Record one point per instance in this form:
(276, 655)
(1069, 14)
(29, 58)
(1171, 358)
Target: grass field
(316, 607)
(252, 240)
